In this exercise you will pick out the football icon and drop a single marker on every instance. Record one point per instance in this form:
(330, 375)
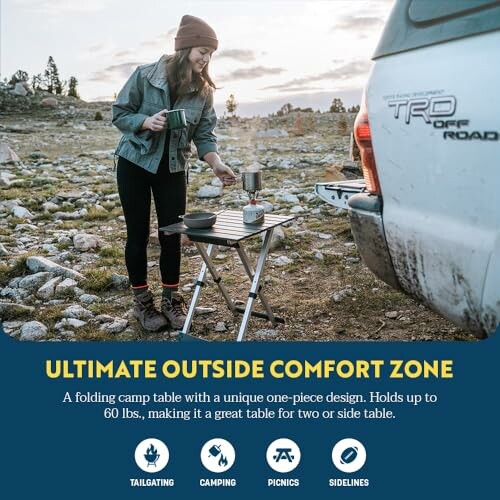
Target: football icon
(349, 455)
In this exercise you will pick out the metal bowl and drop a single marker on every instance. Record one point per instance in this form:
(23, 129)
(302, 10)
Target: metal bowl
(199, 220)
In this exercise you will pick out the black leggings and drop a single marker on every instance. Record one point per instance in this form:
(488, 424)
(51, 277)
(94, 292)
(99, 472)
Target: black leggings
(169, 191)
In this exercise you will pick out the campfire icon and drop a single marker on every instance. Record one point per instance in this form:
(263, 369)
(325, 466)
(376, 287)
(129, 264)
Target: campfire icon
(218, 455)
(151, 455)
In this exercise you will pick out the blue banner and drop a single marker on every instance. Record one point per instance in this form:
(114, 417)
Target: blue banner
(346, 420)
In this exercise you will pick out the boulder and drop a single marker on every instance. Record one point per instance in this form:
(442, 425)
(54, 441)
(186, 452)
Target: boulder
(7, 155)
(33, 330)
(49, 102)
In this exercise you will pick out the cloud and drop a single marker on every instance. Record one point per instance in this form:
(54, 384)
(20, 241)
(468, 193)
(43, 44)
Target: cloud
(348, 71)
(251, 73)
(123, 53)
(162, 41)
(238, 55)
(357, 23)
(114, 72)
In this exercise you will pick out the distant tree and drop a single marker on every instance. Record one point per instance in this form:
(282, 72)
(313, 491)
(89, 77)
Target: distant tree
(353, 109)
(72, 92)
(231, 105)
(36, 82)
(303, 110)
(285, 109)
(19, 76)
(51, 81)
(337, 106)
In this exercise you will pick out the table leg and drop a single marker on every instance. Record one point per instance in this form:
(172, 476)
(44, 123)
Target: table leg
(255, 283)
(250, 272)
(196, 294)
(215, 275)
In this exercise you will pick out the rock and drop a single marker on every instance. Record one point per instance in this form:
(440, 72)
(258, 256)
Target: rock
(36, 264)
(33, 330)
(87, 298)
(78, 214)
(50, 207)
(47, 247)
(325, 236)
(67, 285)
(7, 155)
(391, 314)
(266, 333)
(204, 310)
(220, 326)
(119, 281)
(5, 179)
(3, 251)
(35, 281)
(319, 256)
(297, 209)
(69, 322)
(12, 328)
(20, 89)
(70, 195)
(21, 212)
(282, 260)
(272, 132)
(340, 295)
(276, 239)
(49, 102)
(286, 197)
(116, 326)
(48, 290)
(268, 207)
(78, 312)
(209, 192)
(84, 242)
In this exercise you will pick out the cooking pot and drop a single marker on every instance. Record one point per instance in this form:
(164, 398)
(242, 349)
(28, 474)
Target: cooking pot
(252, 181)
(199, 220)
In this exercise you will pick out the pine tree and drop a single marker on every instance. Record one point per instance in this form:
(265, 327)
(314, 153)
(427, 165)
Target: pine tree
(231, 105)
(51, 78)
(72, 92)
(337, 106)
(19, 76)
(36, 82)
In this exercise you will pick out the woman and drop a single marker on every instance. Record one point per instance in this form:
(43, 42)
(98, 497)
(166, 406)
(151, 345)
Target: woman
(152, 159)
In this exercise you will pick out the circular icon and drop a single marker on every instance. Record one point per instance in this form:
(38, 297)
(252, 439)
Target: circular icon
(349, 455)
(283, 455)
(151, 455)
(217, 455)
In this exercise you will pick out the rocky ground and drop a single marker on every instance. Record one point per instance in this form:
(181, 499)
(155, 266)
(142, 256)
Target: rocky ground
(62, 235)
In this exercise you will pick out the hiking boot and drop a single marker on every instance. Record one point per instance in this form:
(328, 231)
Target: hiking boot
(146, 313)
(174, 310)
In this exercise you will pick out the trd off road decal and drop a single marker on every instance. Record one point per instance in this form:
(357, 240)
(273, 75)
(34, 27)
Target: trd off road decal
(436, 111)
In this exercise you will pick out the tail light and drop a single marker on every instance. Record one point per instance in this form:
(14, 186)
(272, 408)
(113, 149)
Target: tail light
(363, 138)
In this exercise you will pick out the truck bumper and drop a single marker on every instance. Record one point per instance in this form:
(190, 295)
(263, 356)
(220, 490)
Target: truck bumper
(365, 212)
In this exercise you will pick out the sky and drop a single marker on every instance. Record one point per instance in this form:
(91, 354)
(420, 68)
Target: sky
(271, 52)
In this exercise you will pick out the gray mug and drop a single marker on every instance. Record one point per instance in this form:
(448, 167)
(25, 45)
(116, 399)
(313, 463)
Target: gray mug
(176, 118)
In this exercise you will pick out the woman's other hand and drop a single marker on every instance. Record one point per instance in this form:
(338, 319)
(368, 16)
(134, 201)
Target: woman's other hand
(157, 122)
(224, 173)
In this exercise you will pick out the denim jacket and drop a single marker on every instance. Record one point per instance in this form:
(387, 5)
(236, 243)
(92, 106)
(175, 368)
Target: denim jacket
(145, 93)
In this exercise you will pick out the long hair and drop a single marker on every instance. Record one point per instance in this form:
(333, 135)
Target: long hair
(181, 77)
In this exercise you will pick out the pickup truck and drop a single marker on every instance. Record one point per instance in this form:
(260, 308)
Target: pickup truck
(425, 220)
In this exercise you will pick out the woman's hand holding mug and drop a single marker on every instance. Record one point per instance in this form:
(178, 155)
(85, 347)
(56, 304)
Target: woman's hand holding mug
(157, 122)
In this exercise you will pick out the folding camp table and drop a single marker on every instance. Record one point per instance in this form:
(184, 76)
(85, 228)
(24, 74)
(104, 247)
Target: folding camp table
(229, 231)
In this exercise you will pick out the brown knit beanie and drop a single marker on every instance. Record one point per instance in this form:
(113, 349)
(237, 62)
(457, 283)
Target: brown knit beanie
(194, 32)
